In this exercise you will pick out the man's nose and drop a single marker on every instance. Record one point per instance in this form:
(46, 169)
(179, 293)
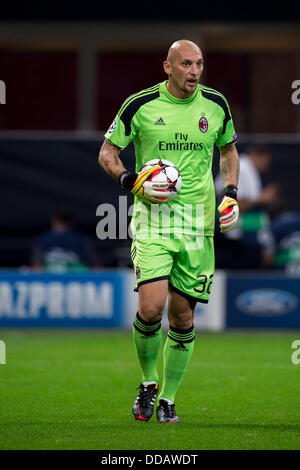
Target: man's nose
(194, 69)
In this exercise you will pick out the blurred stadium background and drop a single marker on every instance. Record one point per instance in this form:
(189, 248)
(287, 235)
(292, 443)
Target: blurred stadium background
(66, 75)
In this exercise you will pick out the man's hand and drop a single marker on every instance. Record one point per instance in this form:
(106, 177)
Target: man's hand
(229, 209)
(135, 182)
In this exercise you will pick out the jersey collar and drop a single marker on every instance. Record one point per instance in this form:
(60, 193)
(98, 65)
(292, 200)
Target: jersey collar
(163, 89)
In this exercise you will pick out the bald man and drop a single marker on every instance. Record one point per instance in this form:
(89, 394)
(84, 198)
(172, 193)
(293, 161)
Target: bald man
(177, 120)
(183, 81)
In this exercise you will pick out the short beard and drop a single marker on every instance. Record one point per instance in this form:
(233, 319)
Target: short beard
(182, 89)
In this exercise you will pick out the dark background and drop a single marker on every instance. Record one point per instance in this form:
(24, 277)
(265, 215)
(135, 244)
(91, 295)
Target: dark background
(39, 174)
(151, 10)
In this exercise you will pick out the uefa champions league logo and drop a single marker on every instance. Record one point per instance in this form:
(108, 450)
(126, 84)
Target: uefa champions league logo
(2, 92)
(112, 127)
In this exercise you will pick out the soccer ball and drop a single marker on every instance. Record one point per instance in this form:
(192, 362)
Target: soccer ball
(168, 181)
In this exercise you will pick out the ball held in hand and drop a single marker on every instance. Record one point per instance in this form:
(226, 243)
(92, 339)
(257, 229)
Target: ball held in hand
(163, 185)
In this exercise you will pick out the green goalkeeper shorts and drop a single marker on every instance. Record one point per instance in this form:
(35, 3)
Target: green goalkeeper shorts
(188, 265)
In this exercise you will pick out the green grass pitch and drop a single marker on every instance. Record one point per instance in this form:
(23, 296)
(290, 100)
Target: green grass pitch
(74, 389)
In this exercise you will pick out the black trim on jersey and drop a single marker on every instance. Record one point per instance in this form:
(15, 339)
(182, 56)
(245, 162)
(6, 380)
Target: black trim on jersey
(221, 102)
(133, 107)
(187, 296)
(161, 278)
(229, 143)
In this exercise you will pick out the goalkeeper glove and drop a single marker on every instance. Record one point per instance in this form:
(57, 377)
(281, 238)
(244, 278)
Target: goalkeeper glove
(229, 209)
(134, 182)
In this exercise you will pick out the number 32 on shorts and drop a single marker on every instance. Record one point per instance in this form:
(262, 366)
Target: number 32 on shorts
(205, 283)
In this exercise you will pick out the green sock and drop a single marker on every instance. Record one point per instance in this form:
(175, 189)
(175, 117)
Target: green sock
(177, 354)
(147, 338)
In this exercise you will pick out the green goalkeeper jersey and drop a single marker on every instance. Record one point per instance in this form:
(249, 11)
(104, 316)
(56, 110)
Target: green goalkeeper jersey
(183, 131)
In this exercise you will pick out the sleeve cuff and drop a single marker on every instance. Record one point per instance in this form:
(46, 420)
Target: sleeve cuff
(113, 143)
(228, 143)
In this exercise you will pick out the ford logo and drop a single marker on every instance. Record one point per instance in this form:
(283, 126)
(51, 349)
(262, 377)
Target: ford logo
(267, 302)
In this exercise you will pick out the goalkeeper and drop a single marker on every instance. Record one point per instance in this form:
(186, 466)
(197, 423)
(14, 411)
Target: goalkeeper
(177, 120)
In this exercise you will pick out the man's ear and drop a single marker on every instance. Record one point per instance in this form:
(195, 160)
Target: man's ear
(167, 67)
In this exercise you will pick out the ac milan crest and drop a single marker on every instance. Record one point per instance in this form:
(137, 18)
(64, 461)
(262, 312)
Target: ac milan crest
(203, 124)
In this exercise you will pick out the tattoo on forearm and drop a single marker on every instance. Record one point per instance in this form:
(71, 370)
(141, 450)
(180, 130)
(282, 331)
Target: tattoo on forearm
(229, 165)
(106, 163)
(117, 160)
(111, 163)
(226, 168)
